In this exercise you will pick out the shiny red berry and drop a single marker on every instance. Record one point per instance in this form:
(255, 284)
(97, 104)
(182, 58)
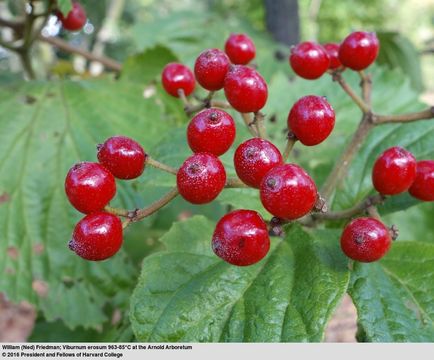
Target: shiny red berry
(97, 236)
(309, 60)
(201, 178)
(245, 89)
(365, 239)
(122, 156)
(423, 185)
(240, 49)
(241, 238)
(176, 77)
(254, 158)
(311, 119)
(211, 130)
(288, 192)
(332, 50)
(359, 50)
(210, 69)
(89, 187)
(75, 19)
(394, 171)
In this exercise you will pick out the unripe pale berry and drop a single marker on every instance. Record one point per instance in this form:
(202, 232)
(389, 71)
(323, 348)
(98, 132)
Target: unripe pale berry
(359, 50)
(365, 239)
(394, 171)
(177, 77)
(201, 178)
(288, 192)
(89, 187)
(245, 89)
(241, 238)
(122, 156)
(309, 60)
(211, 130)
(254, 158)
(240, 49)
(97, 236)
(311, 119)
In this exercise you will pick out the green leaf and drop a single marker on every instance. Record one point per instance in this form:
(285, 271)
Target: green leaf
(397, 51)
(64, 6)
(148, 65)
(394, 297)
(44, 129)
(186, 293)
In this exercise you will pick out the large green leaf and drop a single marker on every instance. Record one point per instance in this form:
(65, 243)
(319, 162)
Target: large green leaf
(186, 293)
(394, 298)
(45, 128)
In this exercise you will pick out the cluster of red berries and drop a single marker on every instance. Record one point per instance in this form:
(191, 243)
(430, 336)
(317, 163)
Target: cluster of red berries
(395, 171)
(75, 19)
(310, 60)
(90, 186)
(286, 190)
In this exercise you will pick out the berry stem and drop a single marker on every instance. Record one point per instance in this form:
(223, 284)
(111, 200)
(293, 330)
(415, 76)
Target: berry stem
(290, 142)
(341, 167)
(220, 104)
(337, 76)
(155, 206)
(260, 124)
(185, 102)
(250, 124)
(366, 85)
(158, 165)
(232, 183)
(421, 115)
(373, 212)
(117, 211)
(353, 211)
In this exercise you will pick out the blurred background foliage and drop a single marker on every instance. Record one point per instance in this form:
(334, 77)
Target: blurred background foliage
(120, 28)
(143, 34)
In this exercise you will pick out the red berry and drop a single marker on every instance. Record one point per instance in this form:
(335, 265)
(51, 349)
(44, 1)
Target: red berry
(201, 178)
(177, 76)
(211, 130)
(311, 119)
(309, 60)
(423, 185)
(210, 69)
(122, 156)
(365, 239)
(288, 192)
(241, 238)
(254, 158)
(97, 236)
(245, 89)
(332, 50)
(359, 50)
(240, 49)
(394, 171)
(75, 19)
(89, 187)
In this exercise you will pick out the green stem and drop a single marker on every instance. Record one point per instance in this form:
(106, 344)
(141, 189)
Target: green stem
(158, 165)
